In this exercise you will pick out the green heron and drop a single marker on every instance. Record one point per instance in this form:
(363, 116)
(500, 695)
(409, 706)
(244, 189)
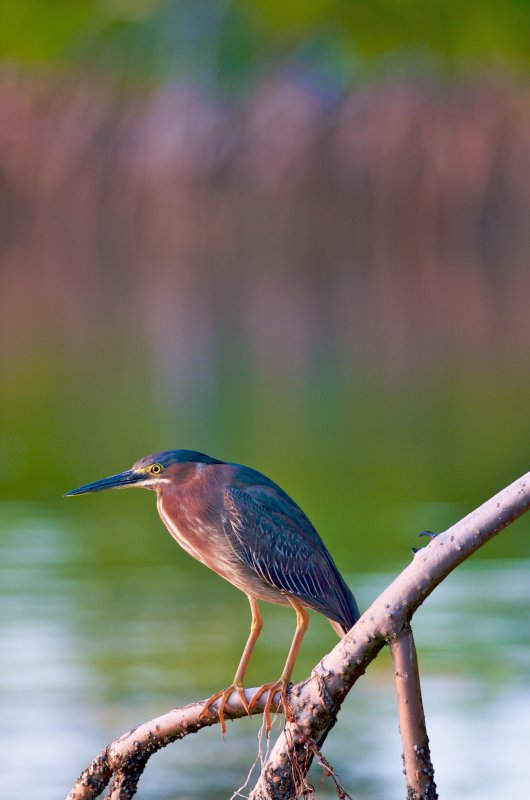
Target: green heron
(247, 529)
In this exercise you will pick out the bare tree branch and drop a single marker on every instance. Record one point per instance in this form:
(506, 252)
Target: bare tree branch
(125, 757)
(419, 771)
(316, 701)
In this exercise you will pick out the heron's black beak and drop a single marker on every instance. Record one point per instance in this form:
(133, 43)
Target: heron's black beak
(123, 479)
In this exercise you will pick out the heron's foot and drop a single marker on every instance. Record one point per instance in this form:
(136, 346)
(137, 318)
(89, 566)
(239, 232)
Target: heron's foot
(272, 688)
(223, 696)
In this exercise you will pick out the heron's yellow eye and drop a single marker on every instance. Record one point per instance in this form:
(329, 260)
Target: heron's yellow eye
(155, 469)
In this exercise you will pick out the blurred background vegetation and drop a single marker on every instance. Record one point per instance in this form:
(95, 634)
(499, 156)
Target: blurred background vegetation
(293, 235)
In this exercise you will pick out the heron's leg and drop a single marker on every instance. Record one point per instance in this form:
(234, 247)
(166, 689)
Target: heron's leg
(302, 621)
(237, 685)
(255, 629)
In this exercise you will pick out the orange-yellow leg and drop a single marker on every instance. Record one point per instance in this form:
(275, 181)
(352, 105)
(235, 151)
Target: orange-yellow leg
(237, 685)
(302, 621)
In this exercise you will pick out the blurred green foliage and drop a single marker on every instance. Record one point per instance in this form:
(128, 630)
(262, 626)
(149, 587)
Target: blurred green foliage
(235, 40)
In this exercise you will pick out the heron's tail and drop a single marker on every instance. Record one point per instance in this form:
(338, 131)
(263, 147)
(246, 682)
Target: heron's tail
(348, 619)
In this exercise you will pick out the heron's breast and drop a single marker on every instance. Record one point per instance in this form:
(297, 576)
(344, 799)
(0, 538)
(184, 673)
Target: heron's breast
(205, 540)
(191, 536)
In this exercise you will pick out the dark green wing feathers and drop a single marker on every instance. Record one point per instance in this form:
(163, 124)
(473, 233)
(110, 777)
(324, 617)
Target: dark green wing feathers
(272, 536)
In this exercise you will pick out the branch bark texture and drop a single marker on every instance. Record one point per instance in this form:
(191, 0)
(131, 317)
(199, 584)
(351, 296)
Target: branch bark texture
(124, 759)
(316, 701)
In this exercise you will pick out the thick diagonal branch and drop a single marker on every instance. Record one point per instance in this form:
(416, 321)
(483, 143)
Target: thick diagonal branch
(320, 697)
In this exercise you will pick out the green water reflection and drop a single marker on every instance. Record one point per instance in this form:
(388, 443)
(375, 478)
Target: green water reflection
(100, 631)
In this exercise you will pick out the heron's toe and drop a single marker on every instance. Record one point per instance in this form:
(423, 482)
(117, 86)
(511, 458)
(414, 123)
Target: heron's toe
(272, 688)
(223, 697)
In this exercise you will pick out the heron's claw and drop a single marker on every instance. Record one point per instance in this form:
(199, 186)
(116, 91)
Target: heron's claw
(272, 688)
(224, 696)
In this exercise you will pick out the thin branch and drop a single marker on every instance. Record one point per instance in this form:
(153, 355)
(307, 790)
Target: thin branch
(125, 757)
(317, 700)
(419, 771)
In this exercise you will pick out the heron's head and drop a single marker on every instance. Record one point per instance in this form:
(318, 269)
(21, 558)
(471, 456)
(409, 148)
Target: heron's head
(150, 472)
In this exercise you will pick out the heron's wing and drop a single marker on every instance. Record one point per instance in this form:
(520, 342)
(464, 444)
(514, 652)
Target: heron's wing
(273, 537)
